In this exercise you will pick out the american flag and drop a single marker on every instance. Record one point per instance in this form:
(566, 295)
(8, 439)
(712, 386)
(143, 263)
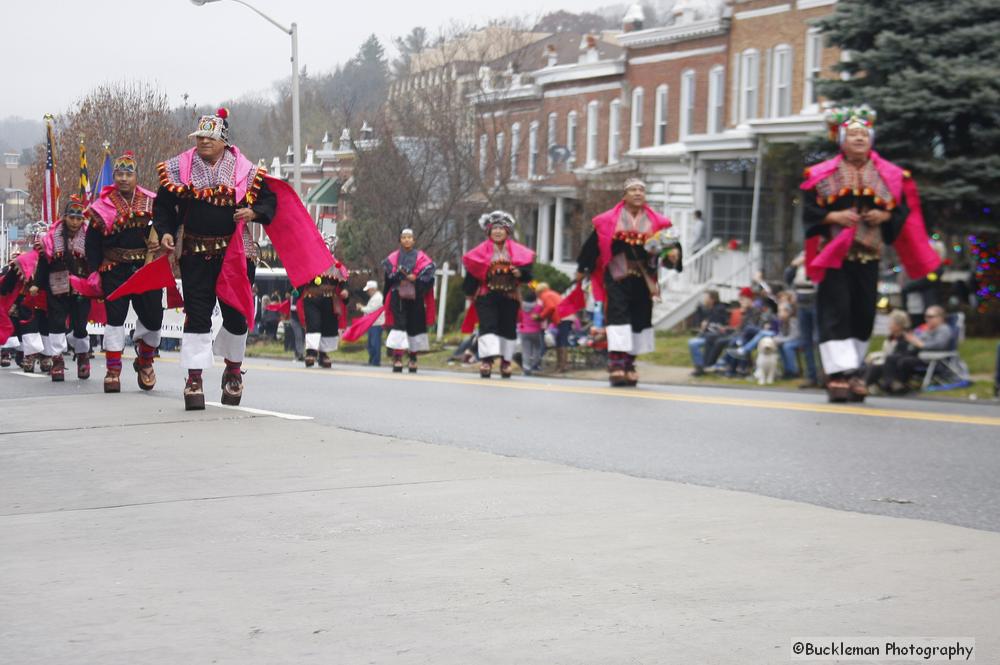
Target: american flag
(84, 176)
(50, 198)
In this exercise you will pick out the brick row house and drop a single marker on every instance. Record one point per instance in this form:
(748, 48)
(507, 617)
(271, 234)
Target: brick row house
(686, 106)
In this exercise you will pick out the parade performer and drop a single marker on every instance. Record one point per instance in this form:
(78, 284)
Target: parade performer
(495, 271)
(322, 308)
(23, 309)
(214, 192)
(120, 240)
(63, 273)
(10, 315)
(855, 205)
(409, 292)
(622, 256)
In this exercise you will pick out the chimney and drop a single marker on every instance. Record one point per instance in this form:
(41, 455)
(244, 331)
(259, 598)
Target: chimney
(588, 49)
(367, 133)
(327, 143)
(289, 156)
(633, 18)
(345, 139)
(551, 56)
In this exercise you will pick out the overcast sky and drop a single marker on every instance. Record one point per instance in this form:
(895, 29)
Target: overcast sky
(56, 50)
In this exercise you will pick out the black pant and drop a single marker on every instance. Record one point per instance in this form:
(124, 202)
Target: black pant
(148, 306)
(69, 306)
(846, 301)
(409, 315)
(198, 277)
(497, 314)
(629, 302)
(321, 317)
(899, 367)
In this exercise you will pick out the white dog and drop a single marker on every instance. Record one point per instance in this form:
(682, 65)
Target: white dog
(767, 361)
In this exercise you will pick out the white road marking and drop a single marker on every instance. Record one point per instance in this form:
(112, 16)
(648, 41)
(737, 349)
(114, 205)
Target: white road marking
(260, 412)
(31, 376)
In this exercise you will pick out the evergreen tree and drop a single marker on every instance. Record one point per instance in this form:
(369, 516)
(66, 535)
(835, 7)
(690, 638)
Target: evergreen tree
(931, 68)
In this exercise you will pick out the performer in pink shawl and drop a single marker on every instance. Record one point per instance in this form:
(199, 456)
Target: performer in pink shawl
(623, 276)
(19, 295)
(214, 192)
(409, 292)
(495, 271)
(856, 204)
(62, 272)
(322, 308)
(119, 241)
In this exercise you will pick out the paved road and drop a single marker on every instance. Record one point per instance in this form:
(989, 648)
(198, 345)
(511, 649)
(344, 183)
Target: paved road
(903, 458)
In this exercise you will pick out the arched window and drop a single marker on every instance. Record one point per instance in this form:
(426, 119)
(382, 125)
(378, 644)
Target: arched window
(592, 127)
(661, 114)
(749, 84)
(716, 98)
(781, 77)
(687, 103)
(635, 136)
(614, 130)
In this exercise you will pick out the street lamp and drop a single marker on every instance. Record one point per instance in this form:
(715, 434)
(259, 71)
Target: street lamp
(296, 129)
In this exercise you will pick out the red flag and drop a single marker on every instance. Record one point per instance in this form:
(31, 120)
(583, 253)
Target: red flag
(574, 302)
(361, 325)
(233, 285)
(470, 320)
(151, 277)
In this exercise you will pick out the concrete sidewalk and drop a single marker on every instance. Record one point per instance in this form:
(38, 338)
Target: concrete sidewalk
(226, 537)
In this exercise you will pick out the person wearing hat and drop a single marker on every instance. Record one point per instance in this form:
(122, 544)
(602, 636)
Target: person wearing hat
(375, 332)
(854, 206)
(623, 276)
(409, 282)
(120, 240)
(22, 309)
(62, 258)
(322, 308)
(495, 271)
(215, 192)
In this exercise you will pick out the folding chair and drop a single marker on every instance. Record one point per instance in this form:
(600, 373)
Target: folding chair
(945, 370)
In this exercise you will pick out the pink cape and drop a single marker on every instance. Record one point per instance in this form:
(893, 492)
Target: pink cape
(292, 232)
(26, 265)
(361, 325)
(605, 224)
(477, 260)
(912, 244)
(106, 210)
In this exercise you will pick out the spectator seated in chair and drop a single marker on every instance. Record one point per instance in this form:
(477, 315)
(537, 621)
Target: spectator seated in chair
(901, 365)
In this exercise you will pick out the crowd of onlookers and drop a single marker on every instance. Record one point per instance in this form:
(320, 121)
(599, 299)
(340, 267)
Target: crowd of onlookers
(784, 321)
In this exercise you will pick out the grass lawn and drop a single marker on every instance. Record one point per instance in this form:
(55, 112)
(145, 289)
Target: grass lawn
(672, 350)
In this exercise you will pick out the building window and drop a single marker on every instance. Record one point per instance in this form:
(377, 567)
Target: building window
(501, 138)
(614, 130)
(515, 148)
(730, 212)
(571, 122)
(662, 96)
(483, 146)
(635, 137)
(550, 139)
(781, 99)
(592, 127)
(749, 84)
(533, 150)
(687, 103)
(814, 66)
(716, 97)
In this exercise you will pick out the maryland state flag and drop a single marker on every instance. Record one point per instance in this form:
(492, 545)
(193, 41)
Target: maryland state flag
(84, 177)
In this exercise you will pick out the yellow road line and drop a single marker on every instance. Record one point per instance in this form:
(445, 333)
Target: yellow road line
(820, 408)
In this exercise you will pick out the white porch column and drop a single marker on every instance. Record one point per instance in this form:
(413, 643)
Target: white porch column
(544, 248)
(557, 240)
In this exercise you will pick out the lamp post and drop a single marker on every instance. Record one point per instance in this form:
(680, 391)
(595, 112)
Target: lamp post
(296, 129)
